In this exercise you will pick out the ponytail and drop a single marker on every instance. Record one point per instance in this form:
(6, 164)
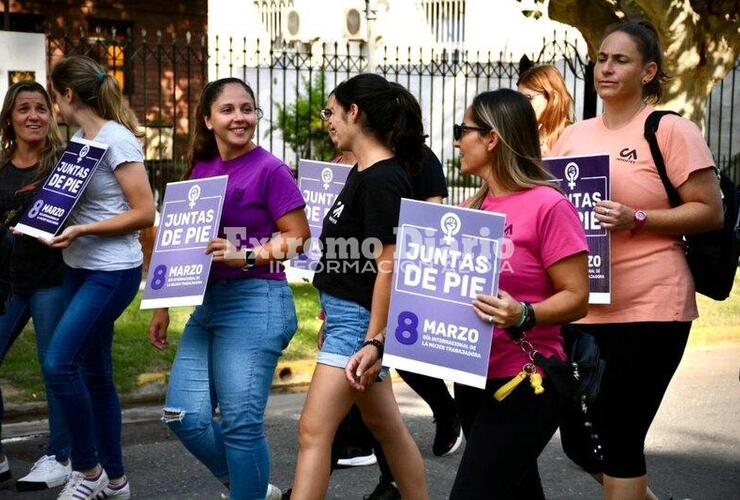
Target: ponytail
(389, 112)
(407, 135)
(95, 89)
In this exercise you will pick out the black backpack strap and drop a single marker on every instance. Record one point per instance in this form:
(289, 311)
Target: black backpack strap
(651, 130)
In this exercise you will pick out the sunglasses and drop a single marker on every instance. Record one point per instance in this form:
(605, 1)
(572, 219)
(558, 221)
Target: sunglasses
(459, 130)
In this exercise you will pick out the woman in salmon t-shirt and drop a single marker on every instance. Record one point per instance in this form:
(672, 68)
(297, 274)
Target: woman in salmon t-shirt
(543, 284)
(643, 332)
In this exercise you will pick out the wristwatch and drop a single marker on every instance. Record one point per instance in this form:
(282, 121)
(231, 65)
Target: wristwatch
(250, 259)
(639, 221)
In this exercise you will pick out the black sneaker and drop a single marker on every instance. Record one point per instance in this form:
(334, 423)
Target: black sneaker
(384, 491)
(448, 437)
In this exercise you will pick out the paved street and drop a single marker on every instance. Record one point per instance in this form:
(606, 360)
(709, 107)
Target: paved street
(693, 450)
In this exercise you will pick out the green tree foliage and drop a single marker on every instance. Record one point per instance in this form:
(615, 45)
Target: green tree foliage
(300, 125)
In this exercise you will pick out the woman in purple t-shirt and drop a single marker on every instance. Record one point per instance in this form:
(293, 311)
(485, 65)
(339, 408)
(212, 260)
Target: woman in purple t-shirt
(231, 344)
(543, 283)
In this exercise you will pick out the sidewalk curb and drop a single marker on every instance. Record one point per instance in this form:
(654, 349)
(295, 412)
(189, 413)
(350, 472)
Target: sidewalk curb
(292, 376)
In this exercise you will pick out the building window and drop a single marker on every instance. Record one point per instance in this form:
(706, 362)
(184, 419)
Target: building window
(271, 12)
(446, 18)
(112, 49)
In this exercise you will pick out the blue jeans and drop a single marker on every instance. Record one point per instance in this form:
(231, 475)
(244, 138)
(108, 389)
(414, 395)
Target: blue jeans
(227, 357)
(79, 368)
(345, 329)
(45, 306)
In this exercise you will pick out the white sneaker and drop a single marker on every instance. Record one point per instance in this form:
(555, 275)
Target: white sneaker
(120, 491)
(5, 470)
(78, 487)
(45, 473)
(358, 460)
(273, 493)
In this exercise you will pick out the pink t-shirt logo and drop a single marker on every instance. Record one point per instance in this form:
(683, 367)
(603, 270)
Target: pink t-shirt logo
(628, 155)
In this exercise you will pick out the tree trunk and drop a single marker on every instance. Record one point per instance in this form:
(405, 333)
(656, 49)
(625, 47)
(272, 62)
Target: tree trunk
(700, 41)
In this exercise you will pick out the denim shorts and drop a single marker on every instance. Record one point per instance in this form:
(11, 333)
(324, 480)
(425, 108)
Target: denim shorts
(345, 328)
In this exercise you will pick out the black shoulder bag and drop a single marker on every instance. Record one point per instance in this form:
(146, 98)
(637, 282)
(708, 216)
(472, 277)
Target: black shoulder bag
(712, 256)
(576, 381)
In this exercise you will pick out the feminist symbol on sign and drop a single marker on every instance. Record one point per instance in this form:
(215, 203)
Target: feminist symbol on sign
(83, 153)
(193, 195)
(571, 173)
(450, 223)
(327, 175)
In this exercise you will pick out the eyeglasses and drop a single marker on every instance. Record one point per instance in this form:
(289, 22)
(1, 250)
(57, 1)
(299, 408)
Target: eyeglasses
(459, 130)
(325, 114)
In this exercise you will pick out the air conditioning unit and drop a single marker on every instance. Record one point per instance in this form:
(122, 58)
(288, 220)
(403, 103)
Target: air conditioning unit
(292, 26)
(355, 24)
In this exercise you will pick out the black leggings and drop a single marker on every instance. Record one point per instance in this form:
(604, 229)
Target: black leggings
(641, 359)
(503, 441)
(353, 432)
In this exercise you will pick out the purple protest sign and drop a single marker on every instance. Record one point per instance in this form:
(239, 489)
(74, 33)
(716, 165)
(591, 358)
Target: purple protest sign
(63, 187)
(179, 269)
(585, 181)
(446, 256)
(320, 183)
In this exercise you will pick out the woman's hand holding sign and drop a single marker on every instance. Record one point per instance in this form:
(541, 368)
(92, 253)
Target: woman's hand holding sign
(503, 311)
(66, 237)
(224, 251)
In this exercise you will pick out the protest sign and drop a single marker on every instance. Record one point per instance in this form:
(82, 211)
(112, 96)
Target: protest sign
(585, 181)
(446, 256)
(62, 189)
(179, 269)
(320, 183)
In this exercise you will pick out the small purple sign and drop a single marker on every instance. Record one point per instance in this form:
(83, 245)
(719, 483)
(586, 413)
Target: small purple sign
(320, 183)
(63, 187)
(446, 256)
(179, 269)
(585, 181)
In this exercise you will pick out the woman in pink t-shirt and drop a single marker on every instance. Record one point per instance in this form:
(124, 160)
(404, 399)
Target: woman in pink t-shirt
(543, 283)
(643, 332)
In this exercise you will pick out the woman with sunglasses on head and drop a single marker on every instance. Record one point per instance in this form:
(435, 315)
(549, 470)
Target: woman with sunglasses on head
(545, 88)
(30, 145)
(103, 259)
(543, 284)
(231, 344)
(643, 332)
(380, 123)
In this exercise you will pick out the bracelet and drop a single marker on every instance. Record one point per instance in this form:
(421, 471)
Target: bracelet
(377, 344)
(523, 317)
(530, 320)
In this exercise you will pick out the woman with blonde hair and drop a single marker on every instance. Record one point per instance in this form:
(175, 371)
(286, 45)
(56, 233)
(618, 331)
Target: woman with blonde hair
(30, 145)
(553, 105)
(543, 284)
(102, 258)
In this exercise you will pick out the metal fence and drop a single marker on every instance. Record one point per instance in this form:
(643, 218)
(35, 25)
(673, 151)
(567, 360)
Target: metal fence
(162, 79)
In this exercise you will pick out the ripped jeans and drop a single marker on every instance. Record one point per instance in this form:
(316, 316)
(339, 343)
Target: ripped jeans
(226, 357)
